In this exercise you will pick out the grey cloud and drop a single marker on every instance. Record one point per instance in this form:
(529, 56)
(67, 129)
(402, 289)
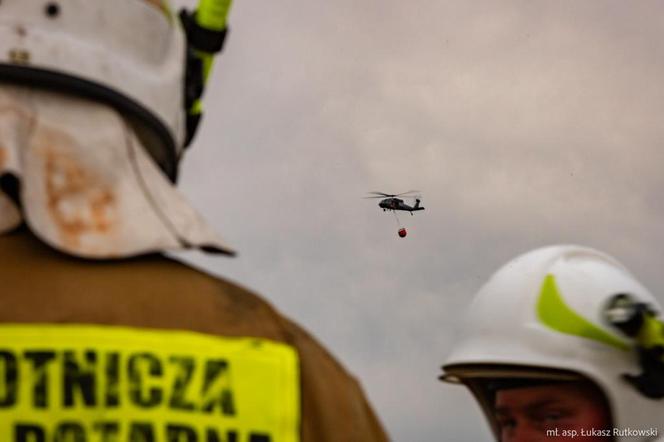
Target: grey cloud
(524, 124)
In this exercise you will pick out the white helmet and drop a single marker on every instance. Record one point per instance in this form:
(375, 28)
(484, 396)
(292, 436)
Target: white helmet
(126, 53)
(541, 316)
(92, 123)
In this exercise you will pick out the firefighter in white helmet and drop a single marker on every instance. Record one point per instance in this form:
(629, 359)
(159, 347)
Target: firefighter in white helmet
(101, 336)
(563, 343)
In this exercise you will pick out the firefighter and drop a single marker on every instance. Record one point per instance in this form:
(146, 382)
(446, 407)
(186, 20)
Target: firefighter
(103, 338)
(560, 343)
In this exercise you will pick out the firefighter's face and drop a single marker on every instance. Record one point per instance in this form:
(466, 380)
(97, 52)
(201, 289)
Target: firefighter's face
(563, 412)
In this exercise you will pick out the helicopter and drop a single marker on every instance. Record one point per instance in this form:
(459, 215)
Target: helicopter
(392, 202)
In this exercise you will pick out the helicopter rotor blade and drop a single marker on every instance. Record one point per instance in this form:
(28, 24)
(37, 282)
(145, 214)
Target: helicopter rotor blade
(389, 195)
(406, 193)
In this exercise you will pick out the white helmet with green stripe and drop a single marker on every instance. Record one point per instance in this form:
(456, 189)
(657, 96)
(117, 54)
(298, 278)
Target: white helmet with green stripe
(541, 316)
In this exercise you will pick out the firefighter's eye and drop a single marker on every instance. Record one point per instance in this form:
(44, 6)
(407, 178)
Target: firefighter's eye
(552, 417)
(506, 422)
(548, 417)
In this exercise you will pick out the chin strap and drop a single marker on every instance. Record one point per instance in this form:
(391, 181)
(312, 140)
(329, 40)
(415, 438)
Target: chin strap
(206, 31)
(640, 322)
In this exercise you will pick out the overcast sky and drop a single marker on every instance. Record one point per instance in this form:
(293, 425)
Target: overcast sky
(523, 123)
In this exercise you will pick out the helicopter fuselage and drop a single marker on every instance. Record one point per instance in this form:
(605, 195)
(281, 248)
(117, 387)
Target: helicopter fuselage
(398, 204)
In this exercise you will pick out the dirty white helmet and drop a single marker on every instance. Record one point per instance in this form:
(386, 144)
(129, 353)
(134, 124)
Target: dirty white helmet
(128, 54)
(541, 317)
(92, 123)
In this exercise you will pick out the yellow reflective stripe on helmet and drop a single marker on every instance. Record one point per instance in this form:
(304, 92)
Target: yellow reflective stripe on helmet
(101, 383)
(553, 312)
